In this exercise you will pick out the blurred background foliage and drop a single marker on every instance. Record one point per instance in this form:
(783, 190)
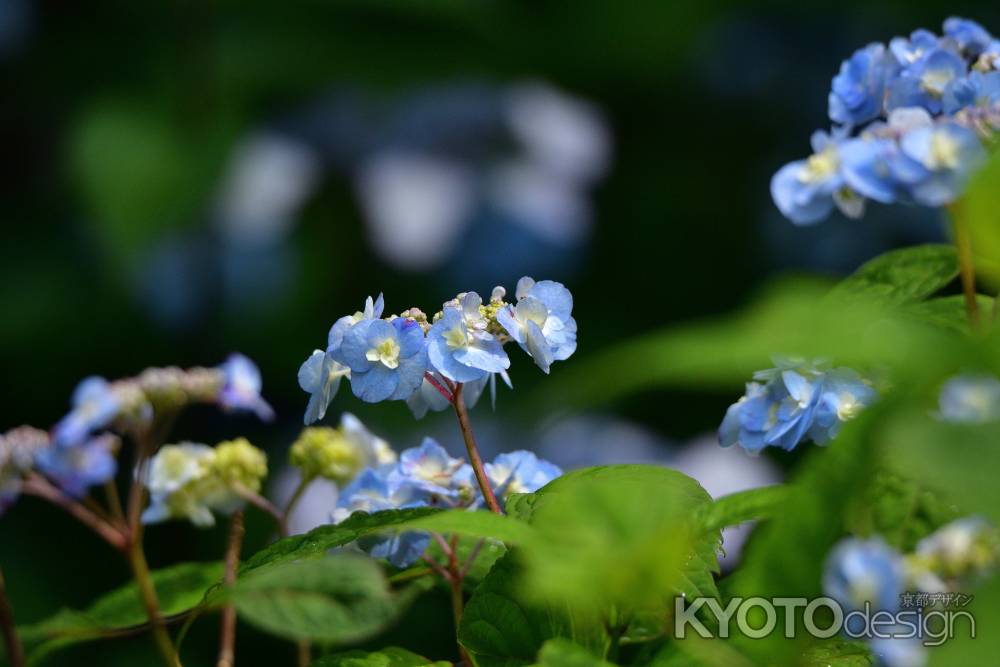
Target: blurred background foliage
(188, 179)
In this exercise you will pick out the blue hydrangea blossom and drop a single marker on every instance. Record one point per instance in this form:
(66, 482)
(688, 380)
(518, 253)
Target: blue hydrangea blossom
(910, 126)
(387, 359)
(460, 348)
(784, 406)
(241, 388)
(320, 377)
(970, 399)
(520, 472)
(541, 321)
(75, 469)
(95, 404)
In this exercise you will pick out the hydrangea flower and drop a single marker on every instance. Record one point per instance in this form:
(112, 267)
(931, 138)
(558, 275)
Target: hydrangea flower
(793, 402)
(859, 88)
(970, 399)
(241, 387)
(191, 481)
(520, 472)
(95, 405)
(320, 376)
(911, 123)
(963, 548)
(387, 359)
(427, 468)
(339, 454)
(76, 468)
(460, 348)
(864, 571)
(541, 321)
(806, 190)
(18, 449)
(372, 491)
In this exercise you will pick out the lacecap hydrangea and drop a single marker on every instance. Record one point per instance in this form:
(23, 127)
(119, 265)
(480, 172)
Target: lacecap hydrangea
(911, 123)
(794, 402)
(427, 476)
(412, 357)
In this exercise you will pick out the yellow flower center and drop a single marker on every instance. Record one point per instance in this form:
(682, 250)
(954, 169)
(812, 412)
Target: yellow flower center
(934, 81)
(386, 352)
(944, 152)
(820, 166)
(456, 338)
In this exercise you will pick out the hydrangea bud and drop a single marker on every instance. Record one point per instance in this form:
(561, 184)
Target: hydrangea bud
(237, 462)
(962, 548)
(326, 452)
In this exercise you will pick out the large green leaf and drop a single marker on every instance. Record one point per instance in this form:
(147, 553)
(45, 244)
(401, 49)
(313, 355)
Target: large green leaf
(318, 541)
(902, 276)
(749, 505)
(564, 653)
(180, 588)
(947, 312)
(980, 210)
(503, 627)
(340, 599)
(387, 657)
(480, 523)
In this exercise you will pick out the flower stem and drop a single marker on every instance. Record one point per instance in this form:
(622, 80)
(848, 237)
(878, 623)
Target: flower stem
(966, 267)
(264, 505)
(470, 445)
(38, 486)
(15, 650)
(227, 632)
(146, 443)
(456, 581)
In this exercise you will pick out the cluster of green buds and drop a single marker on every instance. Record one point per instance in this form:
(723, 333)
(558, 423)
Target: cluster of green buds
(191, 481)
(961, 550)
(339, 454)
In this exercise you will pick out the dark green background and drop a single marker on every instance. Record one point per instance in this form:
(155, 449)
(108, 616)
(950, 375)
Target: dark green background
(705, 100)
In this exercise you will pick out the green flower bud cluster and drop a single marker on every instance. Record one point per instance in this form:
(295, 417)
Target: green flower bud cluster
(322, 451)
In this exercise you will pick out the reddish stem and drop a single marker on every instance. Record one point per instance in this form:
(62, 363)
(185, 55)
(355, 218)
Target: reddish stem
(437, 385)
(470, 445)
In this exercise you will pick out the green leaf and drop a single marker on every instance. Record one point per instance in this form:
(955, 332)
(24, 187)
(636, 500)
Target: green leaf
(750, 505)
(902, 276)
(947, 312)
(339, 599)
(564, 653)
(837, 653)
(979, 209)
(387, 657)
(480, 523)
(503, 627)
(318, 541)
(180, 588)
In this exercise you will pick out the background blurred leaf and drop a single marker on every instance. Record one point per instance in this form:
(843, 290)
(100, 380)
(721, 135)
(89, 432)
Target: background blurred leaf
(478, 523)
(391, 656)
(902, 276)
(180, 588)
(980, 208)
(338, 599)
(749, 505)
(564, 653)
(947, 312)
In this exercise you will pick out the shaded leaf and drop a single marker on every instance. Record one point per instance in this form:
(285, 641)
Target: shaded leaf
(564, 653)
(387, 657)
(902, 276)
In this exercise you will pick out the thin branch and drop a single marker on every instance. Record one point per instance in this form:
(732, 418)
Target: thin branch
(265, 505)
(15, 650)
(470, 445)
(471, 560)
(437, 385)
(227, 632)
(38, 486)
(436, 566)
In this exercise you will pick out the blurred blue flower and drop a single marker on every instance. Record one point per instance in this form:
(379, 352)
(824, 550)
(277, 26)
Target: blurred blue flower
(520, 472)
(76, 468)
(320, 376)
(460, 352)
(241, 387)
(979, 89)
(793, 402)
(878, 169)
(858, 90)
(541, 321)
(806, 191)
(370, 492)
(864, 571)
(950, 153)
(970, 37)
(427, 468)
(387, 359)
(94, 406)
(910, 50)
(843, 394)
(970, 399)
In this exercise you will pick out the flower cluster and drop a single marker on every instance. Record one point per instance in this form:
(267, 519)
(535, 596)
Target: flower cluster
(970, 399)
(794, 402)
(410, 357)
(19, 448)
(426, 476)
(191, 481)
(870, 572)
(911, 120)
(339, 454)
